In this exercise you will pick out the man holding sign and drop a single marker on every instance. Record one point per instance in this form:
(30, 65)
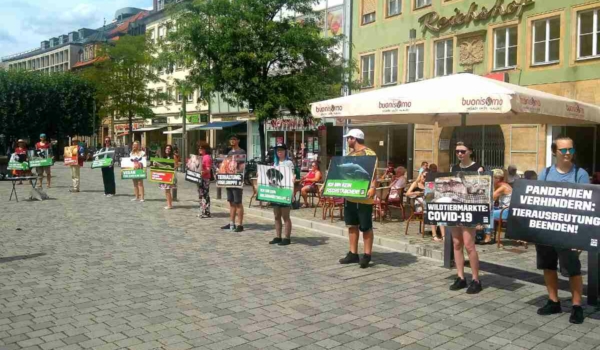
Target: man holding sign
(548, 257)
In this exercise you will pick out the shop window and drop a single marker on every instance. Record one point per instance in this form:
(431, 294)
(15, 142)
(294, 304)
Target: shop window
(369, 13)
(546, 41)
(368, 70)
(414, 69)
(390, 67)
(422, 3)
(588, 34)
(444, 57)
(505, 48)
(394, 7)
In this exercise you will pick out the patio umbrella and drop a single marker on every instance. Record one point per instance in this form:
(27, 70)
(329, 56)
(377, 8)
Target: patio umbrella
(457, 100)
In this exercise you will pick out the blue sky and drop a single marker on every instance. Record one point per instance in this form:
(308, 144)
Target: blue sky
(25, 23)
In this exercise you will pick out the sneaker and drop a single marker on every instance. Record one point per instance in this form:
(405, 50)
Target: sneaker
(141, 200)
(364, 261)
(285, 241)
(134, 199)
(459, 284)
(576, 315)
(551, 308)
(275, 240)
(350, 258)
(204, 216)
(109, 195)
(226, 227)
(238, 228)
(73, 190)
(475, 287)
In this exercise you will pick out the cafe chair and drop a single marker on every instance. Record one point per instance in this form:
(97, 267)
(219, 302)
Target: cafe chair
(415, 216)
(254, 192)
(502, 223)
(322, 201)
(380, 205)
(332, 205)
(399, 204)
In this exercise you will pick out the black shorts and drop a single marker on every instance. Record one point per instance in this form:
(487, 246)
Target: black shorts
(358, 214)
(234, 195)
(548, 258)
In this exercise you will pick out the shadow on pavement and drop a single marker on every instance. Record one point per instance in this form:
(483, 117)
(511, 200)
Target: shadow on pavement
(92, 191)
(258, 227)
(20, 257)
(310, 241)
(395, 259)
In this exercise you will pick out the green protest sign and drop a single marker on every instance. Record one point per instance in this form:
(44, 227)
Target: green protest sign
(349, 177)
(133, 174)
(40, 163)
(102, 163)
(275, 184)
(18, 166)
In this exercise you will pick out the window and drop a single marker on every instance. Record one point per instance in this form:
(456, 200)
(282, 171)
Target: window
(169, 96)
(394, 7)
(151, 95)
(390, 67)
(369, 8)
(505, 48)
(190, 97)
(369, 18)
(179, 96)
(415, 63)
(546, 41)
(159, 97)
(422, 3)
(368, 70)
(160, 4)
(444, 57)
(588, 33)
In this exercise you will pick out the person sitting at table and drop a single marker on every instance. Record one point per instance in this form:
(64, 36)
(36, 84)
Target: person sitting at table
(433, 168)
(389, 172)
(398, 183)
(416, 191)
(309, 182)
(502, 194)
(530, 175)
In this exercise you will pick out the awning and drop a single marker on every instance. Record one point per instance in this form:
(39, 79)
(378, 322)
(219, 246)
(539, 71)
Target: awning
(220, 125)
(180, 130)
(150, 128)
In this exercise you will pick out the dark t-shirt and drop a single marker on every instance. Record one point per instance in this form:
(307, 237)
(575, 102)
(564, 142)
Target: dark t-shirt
(473, 167)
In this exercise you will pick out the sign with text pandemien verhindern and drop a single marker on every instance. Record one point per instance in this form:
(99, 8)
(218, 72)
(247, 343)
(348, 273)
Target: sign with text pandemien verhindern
(275, 184)
(459, 199)
(555, 214)
(349, 177)
(230, 170)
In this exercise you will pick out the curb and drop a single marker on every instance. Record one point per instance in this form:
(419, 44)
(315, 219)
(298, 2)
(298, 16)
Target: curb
(339, 232)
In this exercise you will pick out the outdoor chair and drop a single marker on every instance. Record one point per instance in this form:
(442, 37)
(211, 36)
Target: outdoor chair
(254, 192)
(331, 205)
(380, 206)
(398, 204)
(322, 201)
(415, 216)
(502, 223)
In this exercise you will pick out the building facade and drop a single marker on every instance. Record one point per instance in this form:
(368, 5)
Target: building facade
(552, 46)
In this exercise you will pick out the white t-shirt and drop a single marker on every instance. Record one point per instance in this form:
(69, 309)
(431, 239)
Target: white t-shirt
(137, 156)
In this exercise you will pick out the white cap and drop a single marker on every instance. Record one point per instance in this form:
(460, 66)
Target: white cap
(356, 133)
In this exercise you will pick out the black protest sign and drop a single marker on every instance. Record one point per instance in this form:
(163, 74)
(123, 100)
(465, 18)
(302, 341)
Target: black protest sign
(459, 199)
(556, 214)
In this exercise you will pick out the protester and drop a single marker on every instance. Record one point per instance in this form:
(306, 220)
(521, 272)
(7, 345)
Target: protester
(548, 257)
(282, 210)
(530, 175)
(108, 173)
(416, 191)
(204, 185)
(21, 150)
(43, 145)
(137, 156)
(424, 166)
(75, 169)
(234, 195)
(169, 154)
(502, 194)
(464, 237)
(358, 213)
(309, 182)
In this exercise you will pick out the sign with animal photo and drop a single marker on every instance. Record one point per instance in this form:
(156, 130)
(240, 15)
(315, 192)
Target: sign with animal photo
(230, 170)
(555, 214)
(275, 184)
(193, 172)
(133, 168)
(103, 158)
(18, 162)
(349, 177)
(71, 155)
(459, 199)
(40, 157)
(162, 170)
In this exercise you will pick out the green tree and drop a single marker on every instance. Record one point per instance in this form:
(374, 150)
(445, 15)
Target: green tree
(122, 76)
(247, 51)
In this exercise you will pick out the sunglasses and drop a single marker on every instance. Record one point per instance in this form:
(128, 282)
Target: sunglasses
(461, 151)
(565, 150)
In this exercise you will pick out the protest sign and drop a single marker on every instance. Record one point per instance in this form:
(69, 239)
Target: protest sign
(40, 158)
(103, 158)
(459, 199)
(133, 168)
(193, 172)
(70, 155)
(230, 171)
(349, 177)
(556, 214)
(275, 184)
(162, 170)
(18, 162)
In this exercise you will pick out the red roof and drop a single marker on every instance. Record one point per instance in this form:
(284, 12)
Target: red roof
(122, 28)
(87, 63)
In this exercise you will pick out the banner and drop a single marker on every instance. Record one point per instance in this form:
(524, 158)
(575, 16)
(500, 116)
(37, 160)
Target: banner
(193, 171)
(349, 177)
(459, 199)
(275, 184)
(103, 159)
(555, 214)
(40, 158)
(133, 168)
(162, 170)
(230, 171)
(18, 162)
(70, 156)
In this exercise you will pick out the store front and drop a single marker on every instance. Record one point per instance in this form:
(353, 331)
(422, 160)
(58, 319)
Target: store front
(389, 141)
(301, 136)
(121, 133)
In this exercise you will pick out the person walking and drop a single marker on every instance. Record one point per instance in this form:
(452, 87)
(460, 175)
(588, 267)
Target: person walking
(169, 154)
(75, 169)
(549, 257)
(358, 213)
(137, 156)
(108, 173)
(204, 185)
(464, 237)
(282, 211)
(234, 195)
(44, 145)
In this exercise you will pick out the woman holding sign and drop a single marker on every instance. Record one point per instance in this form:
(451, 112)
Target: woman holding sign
(204, 186)
(108, 173)
(21, 152)
(464, 237)
(168, 154)
(280, 211)
(137, 156)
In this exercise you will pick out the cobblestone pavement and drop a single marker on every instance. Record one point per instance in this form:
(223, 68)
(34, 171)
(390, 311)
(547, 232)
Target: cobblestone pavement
(81, 271)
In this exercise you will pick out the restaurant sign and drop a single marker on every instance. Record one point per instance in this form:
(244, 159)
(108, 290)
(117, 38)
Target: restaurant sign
(436, 23)
(293, 124)
(119, 128)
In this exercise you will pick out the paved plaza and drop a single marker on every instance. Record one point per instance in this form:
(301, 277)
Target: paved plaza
(82, 271)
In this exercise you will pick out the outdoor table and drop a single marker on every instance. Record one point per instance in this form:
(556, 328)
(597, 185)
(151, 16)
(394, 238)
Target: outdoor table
(14, 180)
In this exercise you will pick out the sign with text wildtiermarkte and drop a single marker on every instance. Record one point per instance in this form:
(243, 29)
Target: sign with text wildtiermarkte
(275, 184)
(349, 177)
(555, 214)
